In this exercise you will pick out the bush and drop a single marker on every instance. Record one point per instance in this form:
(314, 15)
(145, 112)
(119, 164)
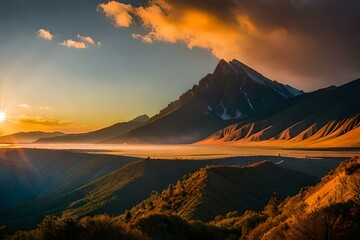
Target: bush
(171, 227)
(99, 227)
(338, 221)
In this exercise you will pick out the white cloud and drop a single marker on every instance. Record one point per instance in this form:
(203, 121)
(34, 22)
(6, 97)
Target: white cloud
(73, 44)
(89, 40)
(82, 42)
(45, 34)
(145, 38)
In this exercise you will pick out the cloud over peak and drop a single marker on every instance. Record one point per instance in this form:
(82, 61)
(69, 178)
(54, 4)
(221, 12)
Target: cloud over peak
(311, 42)
(45, 34)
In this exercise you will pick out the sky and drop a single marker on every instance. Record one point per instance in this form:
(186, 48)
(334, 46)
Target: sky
(79, 65)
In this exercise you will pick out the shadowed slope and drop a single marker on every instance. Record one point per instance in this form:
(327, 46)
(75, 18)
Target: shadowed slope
(217, 190)
(27, 174)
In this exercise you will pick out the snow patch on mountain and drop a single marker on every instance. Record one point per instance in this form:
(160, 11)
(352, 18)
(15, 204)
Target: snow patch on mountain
(248, 99)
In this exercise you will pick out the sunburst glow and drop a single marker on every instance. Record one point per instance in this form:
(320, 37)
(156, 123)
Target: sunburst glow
(2, 116)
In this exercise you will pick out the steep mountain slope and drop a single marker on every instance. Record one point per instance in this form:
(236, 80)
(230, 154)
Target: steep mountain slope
(330, 208)
(27, 174)
(124, 187)
(325, 118)
(233, 91)
(28, 137)
(217, 190)
(101, 134)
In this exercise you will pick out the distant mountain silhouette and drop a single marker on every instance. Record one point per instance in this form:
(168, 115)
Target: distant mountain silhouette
(28, 137)
(99, 135)
(233, 91)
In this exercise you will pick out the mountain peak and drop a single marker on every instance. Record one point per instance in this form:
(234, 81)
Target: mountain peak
(141, 119)
(223, 67)
(233, 91)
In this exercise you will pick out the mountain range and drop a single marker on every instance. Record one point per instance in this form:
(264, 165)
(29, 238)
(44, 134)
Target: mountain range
(99, 135)
(237, 105)
(28, 137)
(328, 117)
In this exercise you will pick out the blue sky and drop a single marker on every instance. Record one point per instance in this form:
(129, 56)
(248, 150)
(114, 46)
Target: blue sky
(90, 87)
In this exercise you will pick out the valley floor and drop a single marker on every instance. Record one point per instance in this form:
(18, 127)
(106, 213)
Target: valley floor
(195, 151)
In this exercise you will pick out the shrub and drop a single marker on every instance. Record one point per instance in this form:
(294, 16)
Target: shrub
(94, 228)
(171, 227)
(338, 221)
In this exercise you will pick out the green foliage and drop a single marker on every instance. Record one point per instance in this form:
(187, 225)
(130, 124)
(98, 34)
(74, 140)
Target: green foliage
(240, 224)
(272, 207)
(99, 227)
(352, 168)
(4, 231)
(171, 227)
(127, 215)
(338, 221)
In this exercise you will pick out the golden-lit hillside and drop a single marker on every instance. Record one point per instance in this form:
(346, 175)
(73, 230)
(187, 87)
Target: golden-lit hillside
(331, 207)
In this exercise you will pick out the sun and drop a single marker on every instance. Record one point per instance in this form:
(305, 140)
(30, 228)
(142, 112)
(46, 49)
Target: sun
(2, 116)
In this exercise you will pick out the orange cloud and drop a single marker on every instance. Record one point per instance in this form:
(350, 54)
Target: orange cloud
(119, 13)
(44, 121)
(73, 44)
(45, 34)
(302, 43)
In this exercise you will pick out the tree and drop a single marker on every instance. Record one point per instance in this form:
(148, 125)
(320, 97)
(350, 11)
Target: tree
(272, 207)
(127, 215)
